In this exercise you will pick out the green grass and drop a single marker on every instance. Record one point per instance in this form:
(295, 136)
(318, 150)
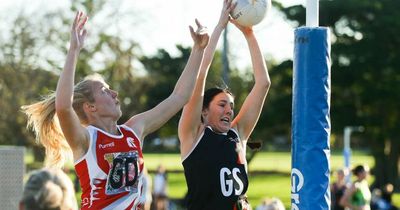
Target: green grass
(263, 161)
(273, 182)
(261, 186)
(270, 185)
(170, 161)
(276, 184)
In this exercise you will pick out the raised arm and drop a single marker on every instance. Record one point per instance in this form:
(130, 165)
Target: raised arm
(191, 116)
(250, 111)
(73, 131)
(153, 119)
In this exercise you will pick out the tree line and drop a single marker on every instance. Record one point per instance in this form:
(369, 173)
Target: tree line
(365, 79)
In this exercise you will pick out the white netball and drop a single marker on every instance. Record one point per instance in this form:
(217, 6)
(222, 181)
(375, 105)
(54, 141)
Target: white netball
(250, 12)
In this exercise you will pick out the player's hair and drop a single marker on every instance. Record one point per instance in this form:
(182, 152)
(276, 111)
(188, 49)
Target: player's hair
(44, 122)
(209, 95)
(212, 92)
(359, 169)
(49, 189)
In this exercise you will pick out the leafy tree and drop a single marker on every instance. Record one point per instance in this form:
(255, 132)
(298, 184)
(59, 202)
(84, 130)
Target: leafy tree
(276, 116)
(164, 70)
(20, 82)
(365, 78)
(33, 54)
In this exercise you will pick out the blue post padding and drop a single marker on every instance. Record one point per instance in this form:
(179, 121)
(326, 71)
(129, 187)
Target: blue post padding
(311, 119)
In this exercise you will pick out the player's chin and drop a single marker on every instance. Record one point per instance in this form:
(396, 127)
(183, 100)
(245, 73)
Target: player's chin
(224, 127)
(118, 114)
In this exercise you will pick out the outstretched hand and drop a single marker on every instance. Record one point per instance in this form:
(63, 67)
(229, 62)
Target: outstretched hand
(226, 9)
(246, 30)
(200, 36)
(78, 32)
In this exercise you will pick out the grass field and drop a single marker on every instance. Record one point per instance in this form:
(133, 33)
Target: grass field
(271, 180)
(269, 174)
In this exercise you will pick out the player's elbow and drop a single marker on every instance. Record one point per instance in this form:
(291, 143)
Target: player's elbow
(60, 107)
(267, 83)
(181, 97)
(264, 83)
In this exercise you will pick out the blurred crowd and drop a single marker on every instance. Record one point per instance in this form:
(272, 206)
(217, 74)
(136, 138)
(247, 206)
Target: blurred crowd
(356, 194)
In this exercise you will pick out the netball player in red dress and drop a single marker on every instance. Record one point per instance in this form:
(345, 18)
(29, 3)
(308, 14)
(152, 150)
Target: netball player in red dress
(82, 119)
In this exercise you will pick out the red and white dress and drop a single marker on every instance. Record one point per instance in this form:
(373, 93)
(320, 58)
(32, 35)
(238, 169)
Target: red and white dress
(110, 173)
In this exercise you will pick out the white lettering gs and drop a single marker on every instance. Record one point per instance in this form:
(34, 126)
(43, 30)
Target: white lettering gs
(227, 180)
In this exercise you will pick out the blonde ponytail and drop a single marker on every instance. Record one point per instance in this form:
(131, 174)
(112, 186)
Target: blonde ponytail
(44, 122)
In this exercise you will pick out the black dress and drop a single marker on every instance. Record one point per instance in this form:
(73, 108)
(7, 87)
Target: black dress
(215, 174)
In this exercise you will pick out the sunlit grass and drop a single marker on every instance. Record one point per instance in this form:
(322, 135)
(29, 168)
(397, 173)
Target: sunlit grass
(170, 161)
(269, 185)
(262, 185)
(271, 180)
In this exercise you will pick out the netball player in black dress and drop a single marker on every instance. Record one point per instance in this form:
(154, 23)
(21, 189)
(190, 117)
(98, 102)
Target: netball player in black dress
(213, 141)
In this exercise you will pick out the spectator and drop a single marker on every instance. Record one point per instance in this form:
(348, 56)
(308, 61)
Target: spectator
(377, 203)
(48, 189)
(387, 193)
(160, 189)
(358, 195)
(146, 196)
(382, 199)
(337, 189)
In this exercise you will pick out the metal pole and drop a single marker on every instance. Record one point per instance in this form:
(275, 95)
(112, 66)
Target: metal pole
(312, 13)
(347, 152)
(347, 149)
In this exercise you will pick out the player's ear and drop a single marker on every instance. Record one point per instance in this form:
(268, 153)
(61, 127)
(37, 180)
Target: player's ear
(89, 107)
(204, 114)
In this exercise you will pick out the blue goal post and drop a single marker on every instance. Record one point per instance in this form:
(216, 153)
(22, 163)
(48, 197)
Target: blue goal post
(311, 120)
